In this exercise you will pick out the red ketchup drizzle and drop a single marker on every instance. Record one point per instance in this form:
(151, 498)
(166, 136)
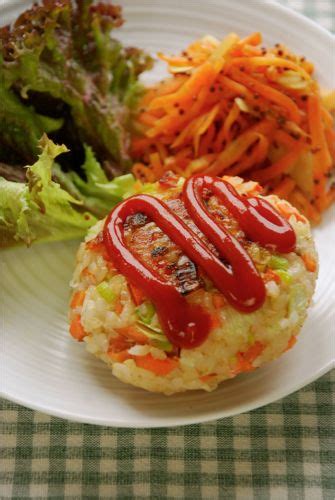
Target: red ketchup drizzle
(258, 219)
(187, 325)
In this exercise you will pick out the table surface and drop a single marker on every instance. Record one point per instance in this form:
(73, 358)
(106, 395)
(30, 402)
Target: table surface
(282, 451)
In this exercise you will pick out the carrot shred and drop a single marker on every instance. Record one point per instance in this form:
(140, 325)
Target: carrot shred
(131, 333)
(162, 151)
(287, 211)
(271, 275)
(304, 205)
(232, 117)
(322, 160)
(97, 245)
(215, 321)
(237, 88)
(206, 378)
(256, 157)
(322, 156)
(234, 107)
(205, 73)
(265, 61)
(77, 299)
(283, 138)
(175, 121)
(137, 294)
(118, 307)
(330, 138)
(204, 125)
(156, 165)
(120, 356)
(245, 359)
(284, 188)
(87, 274)
(282, 166)
(207, 141)
(292, 341)
(218, 300)
(327, 118)
(147, 118)
(76, 329)
(253, 39)
(254, 351)
(160, 367)
(232, 153)
(329, 199)
(310, 262)
(269, 93)
(140, 144)
(110, 266)
(242, 365)
(143, 172)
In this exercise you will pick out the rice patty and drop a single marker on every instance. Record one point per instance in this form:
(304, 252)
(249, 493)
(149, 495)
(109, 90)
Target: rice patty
(121, 327)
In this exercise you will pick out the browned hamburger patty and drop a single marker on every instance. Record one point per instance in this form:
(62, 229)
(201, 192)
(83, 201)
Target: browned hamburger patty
(156, 249)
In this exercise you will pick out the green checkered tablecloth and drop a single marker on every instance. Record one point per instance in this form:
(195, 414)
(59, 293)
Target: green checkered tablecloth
(321, 11)
(285, 450)
(282, 451)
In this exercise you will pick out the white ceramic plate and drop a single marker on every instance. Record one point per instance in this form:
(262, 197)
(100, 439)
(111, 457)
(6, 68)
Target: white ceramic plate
(44, 369)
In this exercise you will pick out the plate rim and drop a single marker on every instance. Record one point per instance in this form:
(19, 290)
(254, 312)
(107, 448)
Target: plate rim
(298, 15)
(182, 421)
(274, 4)
(328, 37)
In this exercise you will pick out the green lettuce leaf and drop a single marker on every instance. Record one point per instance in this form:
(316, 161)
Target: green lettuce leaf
(42, 210)
(21, 127)
(96, 193)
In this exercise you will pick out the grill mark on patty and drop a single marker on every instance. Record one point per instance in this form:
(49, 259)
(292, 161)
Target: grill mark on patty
(136, 220)
(155, 248)
(187, 275)
(158, 251)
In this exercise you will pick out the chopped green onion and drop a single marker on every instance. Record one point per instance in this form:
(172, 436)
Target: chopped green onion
(149, 187)
(145, 312)
(164, 345)
(156, 336)
(150, 328)
(251, 338)
(284, 276)
(277, 262)
(106, 292)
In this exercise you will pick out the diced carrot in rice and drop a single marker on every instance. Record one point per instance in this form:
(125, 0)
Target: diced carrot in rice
(76, 329)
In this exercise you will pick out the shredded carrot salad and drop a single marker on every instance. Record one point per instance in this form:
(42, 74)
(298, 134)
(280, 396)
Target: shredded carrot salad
(236, 108)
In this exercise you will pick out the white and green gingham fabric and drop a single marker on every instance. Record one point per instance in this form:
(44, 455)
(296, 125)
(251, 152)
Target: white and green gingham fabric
(285, 450)
(321, 11)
